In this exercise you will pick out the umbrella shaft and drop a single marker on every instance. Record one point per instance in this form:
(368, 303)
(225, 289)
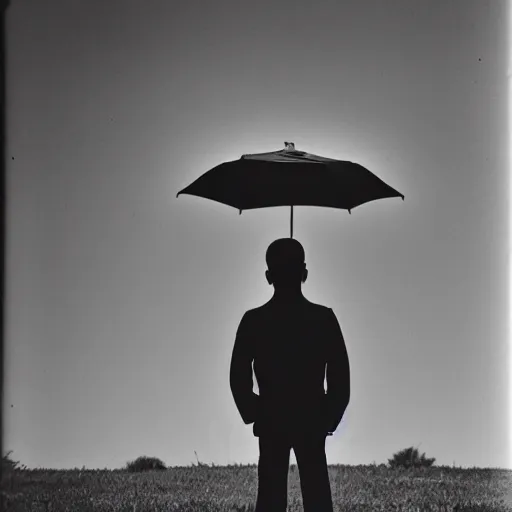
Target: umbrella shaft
(291, 222)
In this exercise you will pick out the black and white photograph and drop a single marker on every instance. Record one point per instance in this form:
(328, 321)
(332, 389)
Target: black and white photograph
(257, 256)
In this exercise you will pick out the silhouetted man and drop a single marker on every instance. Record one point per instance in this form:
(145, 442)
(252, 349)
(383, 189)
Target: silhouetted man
(294, 345)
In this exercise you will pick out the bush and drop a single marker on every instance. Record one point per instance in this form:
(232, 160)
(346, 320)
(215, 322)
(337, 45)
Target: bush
(10, 465)
(410, 458)
(145, 464)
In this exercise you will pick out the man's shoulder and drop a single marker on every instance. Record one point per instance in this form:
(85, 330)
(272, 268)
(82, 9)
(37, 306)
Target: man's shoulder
(266, 309)
(319, 306)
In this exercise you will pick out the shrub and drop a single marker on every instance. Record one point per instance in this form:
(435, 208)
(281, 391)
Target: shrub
(10, 465)
(410, 458)
(145, 464)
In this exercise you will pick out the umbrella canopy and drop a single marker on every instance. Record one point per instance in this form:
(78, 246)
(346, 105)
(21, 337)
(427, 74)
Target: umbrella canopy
(289, 177)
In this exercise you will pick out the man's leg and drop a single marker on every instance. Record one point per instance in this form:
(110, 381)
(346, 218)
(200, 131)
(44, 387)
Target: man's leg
(314, 477)
(273, 467)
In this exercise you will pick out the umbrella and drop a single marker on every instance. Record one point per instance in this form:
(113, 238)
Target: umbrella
(289, 177)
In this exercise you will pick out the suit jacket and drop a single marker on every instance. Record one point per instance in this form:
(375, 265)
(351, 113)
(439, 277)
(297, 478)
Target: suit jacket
(293, 349)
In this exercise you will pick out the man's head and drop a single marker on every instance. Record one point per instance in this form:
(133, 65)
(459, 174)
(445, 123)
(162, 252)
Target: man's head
(286, 263)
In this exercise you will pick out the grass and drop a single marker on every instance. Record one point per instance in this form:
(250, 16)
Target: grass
(233, 488)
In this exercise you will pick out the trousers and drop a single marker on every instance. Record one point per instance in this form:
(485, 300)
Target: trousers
(273, 466)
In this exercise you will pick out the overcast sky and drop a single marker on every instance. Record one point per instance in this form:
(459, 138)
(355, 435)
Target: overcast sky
(123, 301)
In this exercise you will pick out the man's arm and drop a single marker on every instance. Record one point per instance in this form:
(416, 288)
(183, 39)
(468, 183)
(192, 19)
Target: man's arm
(240, 374)
(337, 374)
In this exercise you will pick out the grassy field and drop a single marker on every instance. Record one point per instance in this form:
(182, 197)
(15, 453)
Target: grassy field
(233, 488)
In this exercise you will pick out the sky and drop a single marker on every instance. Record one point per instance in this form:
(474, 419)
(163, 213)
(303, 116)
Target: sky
(122, 301)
